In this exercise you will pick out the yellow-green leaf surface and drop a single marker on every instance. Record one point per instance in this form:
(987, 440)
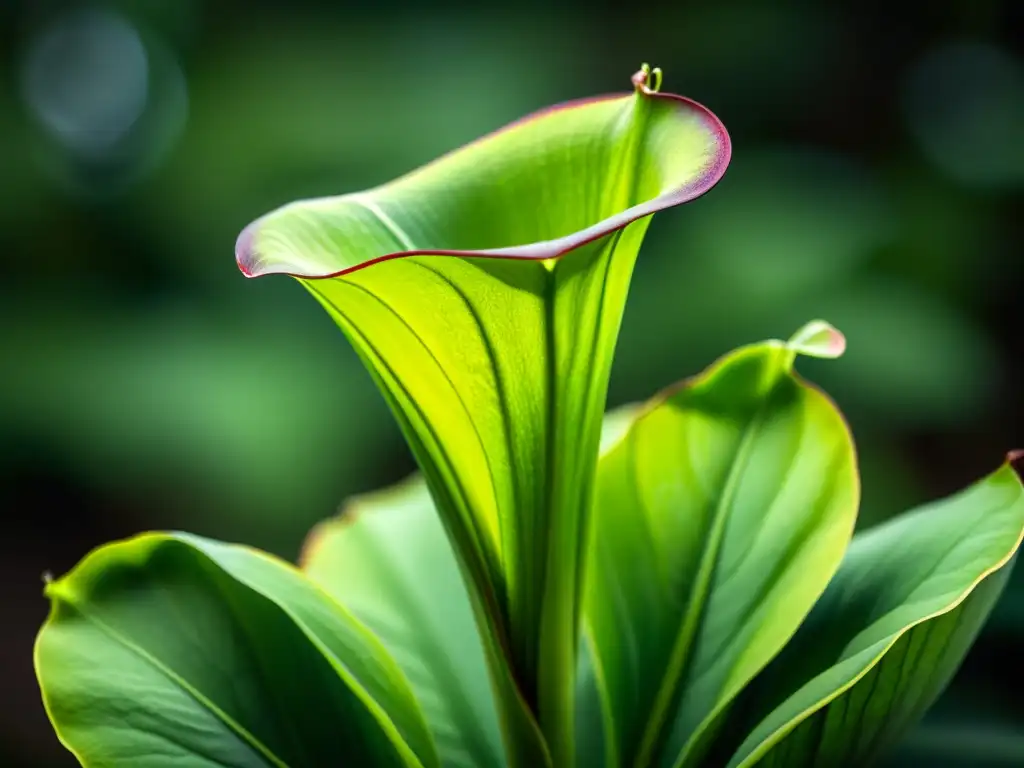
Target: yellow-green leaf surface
(386, 558)
(888, 634)
(168, 649)
(720, 517)
(484, 292)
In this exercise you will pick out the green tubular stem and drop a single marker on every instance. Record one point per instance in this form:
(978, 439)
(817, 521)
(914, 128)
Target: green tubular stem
(551, 689)
(570, 494)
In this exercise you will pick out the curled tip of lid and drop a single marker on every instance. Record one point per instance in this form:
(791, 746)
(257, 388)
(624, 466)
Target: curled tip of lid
(818, 339)
(647, 80)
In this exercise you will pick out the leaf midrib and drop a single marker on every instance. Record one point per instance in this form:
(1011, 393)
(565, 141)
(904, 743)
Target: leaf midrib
(241, 732)
(654, 734)
(768, 742)
(557, 688)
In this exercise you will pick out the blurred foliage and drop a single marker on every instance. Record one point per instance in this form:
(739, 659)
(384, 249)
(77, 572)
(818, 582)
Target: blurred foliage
(144, 383)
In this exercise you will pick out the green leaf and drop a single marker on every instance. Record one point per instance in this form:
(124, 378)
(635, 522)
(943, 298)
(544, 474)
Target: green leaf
(720, 517)
(484, 292)
(170, 649)
(888, 634)
(386, 558)
(372, 558)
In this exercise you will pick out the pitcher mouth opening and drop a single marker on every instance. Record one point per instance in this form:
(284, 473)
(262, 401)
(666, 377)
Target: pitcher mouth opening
(253, 263)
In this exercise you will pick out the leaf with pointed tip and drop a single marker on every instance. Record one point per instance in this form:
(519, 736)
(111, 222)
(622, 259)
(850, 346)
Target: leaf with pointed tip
(888, 634)
(720, 517)
(171, 649)
(484, 293)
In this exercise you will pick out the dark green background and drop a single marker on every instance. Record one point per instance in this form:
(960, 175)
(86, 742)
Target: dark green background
(144, 383)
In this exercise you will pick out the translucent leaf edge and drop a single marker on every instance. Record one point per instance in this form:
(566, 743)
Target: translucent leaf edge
(249, 264)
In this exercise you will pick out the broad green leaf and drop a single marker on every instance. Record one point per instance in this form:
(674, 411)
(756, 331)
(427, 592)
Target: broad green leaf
(386, 558)
(168, 649)
(889, 632)
(484, 292)
(720, 517)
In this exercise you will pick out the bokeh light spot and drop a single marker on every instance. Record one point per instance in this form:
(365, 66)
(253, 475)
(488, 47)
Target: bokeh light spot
(86, 79)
